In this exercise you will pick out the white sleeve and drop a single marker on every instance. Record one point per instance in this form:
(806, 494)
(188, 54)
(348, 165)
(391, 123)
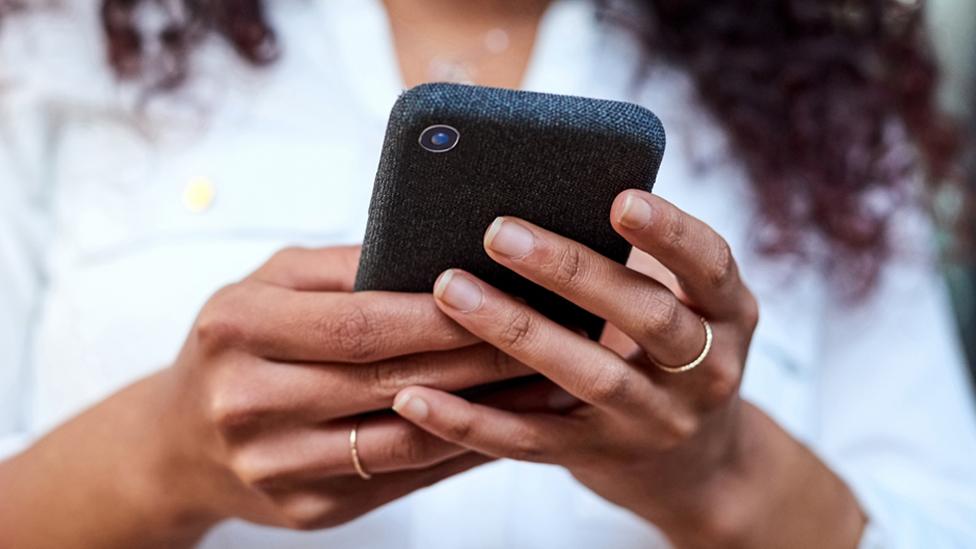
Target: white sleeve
(23, 229)
(19, 285)
(898, 419)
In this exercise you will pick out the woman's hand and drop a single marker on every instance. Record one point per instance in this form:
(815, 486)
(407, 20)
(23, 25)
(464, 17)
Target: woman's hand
(680, 449)
(279, 369)
(254, 418)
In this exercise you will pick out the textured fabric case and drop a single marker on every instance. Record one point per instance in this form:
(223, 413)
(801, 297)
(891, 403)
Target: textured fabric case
(557, 161)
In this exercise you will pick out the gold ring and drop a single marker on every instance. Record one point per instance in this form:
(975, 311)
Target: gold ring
(701, 358)
(354, 453)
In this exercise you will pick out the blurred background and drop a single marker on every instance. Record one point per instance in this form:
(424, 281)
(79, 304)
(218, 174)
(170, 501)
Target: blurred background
(954, 28)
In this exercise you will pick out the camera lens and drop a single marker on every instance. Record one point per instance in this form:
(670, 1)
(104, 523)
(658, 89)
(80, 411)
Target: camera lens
(439, 138)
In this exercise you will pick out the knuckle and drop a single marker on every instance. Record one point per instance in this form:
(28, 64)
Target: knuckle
(610, 387)
(251, 471)
(722, 271)
(674, 230)
(677, 430)
(725, 520)
(518, 330)
(662, 313)
(722, 384)
(750, 312)
(354, 331)
(218, 326)
(231, 413)
(286, 255)
(312, 513)
(304, 521)
(527, 446)
(566, 268)
(385, 379)
(280, 267)
(410, 448)
(460, 430)
(231, 403)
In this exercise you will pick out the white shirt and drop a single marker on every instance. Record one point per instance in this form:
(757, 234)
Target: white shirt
(104, 267)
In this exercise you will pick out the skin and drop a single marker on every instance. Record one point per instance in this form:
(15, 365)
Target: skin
(683, 451)
(252, 419)
(426, 29)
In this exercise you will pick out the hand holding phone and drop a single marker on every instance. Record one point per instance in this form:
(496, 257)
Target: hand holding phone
(456, 157)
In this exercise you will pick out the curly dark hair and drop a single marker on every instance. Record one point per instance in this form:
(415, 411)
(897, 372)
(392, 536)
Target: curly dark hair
(830, 104)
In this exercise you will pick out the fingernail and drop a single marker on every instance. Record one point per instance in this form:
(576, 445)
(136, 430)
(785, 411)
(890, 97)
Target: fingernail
(458, 292)
(636, 213)
(561, 401)
(509, 239)
(411, 407)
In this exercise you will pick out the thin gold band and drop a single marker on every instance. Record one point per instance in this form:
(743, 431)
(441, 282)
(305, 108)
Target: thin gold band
(701, 358)
(354, 453)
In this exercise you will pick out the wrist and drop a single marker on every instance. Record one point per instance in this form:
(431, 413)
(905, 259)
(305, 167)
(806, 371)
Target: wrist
(103, 479)
(172, 481)
(774, 493)
(712, 501)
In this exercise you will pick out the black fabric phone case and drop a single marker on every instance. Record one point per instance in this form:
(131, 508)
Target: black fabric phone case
(557, 161)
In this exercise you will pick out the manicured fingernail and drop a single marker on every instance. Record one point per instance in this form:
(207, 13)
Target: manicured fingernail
(509, 238)
(458, 292)
(636, 213)
(411, 407)
(561, 401)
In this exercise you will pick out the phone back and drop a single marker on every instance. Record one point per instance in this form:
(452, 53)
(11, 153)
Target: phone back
(557, 161)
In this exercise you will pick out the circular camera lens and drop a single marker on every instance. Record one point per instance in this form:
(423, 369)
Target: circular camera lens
(439, 138)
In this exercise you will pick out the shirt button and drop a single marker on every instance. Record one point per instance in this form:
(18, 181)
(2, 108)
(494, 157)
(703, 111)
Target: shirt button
(199, 195)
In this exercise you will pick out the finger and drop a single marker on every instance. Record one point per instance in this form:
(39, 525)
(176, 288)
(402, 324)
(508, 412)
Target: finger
(384, 443)
(405, 482)
(641, 307)
(262, 393)
(298, 456)
(314, 505)
(693, 251)
(543, 438)
(312, 269)
(536, 396)
(289, 326)
(585, 369)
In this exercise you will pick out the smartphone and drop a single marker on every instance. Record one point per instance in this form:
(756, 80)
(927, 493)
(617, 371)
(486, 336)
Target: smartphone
(456, 156)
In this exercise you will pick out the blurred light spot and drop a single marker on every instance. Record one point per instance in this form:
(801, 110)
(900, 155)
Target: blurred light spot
(199, 195)
(497, 41)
